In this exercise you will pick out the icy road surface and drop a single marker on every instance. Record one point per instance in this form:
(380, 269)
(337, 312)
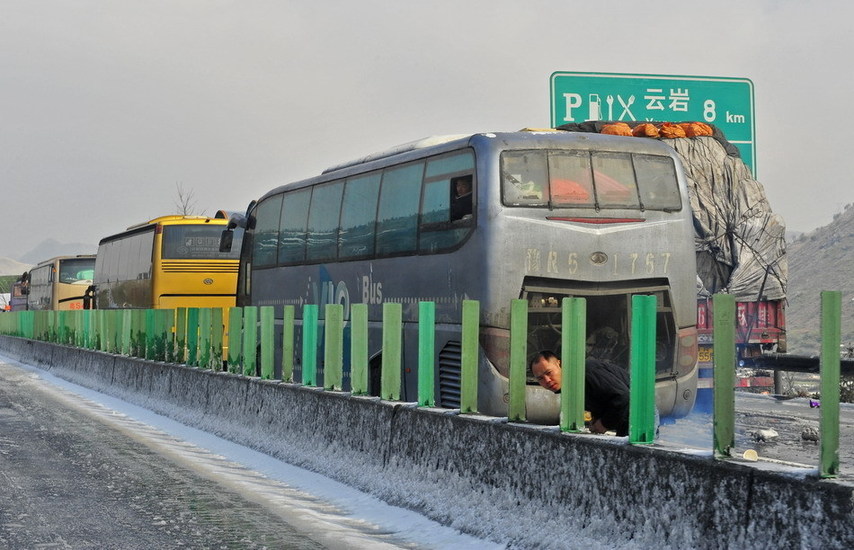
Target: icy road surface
(79, 469)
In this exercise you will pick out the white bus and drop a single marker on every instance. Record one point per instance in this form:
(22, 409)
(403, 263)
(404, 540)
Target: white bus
(551, 214)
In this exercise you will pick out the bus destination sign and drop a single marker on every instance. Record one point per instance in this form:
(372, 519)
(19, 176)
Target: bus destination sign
(724, 102)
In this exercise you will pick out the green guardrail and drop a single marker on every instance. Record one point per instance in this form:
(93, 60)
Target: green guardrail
(243, 340)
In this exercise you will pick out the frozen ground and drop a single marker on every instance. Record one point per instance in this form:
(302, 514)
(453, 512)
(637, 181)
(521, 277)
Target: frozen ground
(338, 515)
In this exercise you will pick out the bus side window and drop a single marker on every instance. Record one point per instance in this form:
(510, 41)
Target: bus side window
(358, 217)
(266, 241)
(323, 218)
(436, 205)
(397, 215)
(292, 226)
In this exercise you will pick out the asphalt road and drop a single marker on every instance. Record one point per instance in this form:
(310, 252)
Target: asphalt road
(777, 429)
(71, 480)
(796, 424)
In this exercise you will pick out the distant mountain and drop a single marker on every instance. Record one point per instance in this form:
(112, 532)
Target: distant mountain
(51, 248)
(792, 236)
(820, 260)
(8, 266)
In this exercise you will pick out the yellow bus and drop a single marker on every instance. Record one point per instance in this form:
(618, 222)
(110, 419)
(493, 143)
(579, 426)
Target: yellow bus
(168, 262)
(59, 283)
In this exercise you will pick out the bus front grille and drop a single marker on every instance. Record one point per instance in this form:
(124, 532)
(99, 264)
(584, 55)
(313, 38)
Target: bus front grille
(198, 267)
(450, 361)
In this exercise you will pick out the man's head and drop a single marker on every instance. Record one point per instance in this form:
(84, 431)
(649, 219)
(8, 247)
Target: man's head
(545, 367)
(463, 185)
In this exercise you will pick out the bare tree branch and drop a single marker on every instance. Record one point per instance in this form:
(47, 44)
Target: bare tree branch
(185, 204)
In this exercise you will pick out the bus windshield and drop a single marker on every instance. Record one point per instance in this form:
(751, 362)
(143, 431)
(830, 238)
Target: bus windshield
(582, 179)
(197, 242)
(77, 270)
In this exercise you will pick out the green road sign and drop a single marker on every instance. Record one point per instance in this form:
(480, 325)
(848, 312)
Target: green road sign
(725, 102)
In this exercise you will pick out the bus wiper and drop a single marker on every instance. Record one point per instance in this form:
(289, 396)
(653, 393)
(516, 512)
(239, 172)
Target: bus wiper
(508, 176)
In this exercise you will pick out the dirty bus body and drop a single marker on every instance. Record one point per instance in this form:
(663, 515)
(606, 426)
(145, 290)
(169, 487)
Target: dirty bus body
(389, 228)
(167, 262)
(60, 283)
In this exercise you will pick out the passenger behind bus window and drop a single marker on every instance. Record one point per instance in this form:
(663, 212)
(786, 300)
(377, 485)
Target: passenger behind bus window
(606, 390)
(461, 204)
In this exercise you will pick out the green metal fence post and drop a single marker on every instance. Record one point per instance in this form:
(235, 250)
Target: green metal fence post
(250, 340)
(309, 345)
(359, 349)
(116, 327)
(102, 330)
(27, 323)
(134, 329)
(168, 321)
(235, 339)
(167, 332)
(114, 321)
(171, 335)
(724, 374)
(79, 336)
(127, 327)
(139, 330)
(217, 329)
(61, 329)
(831, 336)
(181, 335)
(74, 326)
(204, 358)
(124, 334)
(106, 329)
(573, 351)
(391, 358)
(642, 371)
(333, 353)
(266, 315)
(193, 336)
(288, 315)
(37, 325)
(426, 354)
(149, 334)
(518, 359)
(86, 329)
(73, 323)
(50, 326)
(469, 356)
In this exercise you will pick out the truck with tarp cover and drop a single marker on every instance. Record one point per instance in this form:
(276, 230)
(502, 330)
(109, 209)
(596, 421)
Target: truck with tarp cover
(739, 242)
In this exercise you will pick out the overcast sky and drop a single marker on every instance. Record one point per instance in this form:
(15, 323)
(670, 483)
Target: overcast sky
(106, 107)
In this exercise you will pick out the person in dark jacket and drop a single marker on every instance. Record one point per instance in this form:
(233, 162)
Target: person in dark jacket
(606, 390)
(461, 206)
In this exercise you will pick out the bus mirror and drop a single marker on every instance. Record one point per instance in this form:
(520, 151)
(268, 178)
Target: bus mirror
(225, 240)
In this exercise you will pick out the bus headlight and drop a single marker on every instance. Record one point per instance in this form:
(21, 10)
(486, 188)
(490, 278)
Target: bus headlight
(687, 352)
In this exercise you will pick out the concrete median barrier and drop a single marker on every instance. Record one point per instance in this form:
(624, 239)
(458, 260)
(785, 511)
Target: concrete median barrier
(513, 483)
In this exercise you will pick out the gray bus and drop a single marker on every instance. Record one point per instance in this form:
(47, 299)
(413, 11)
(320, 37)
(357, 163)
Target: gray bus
(537, 215)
